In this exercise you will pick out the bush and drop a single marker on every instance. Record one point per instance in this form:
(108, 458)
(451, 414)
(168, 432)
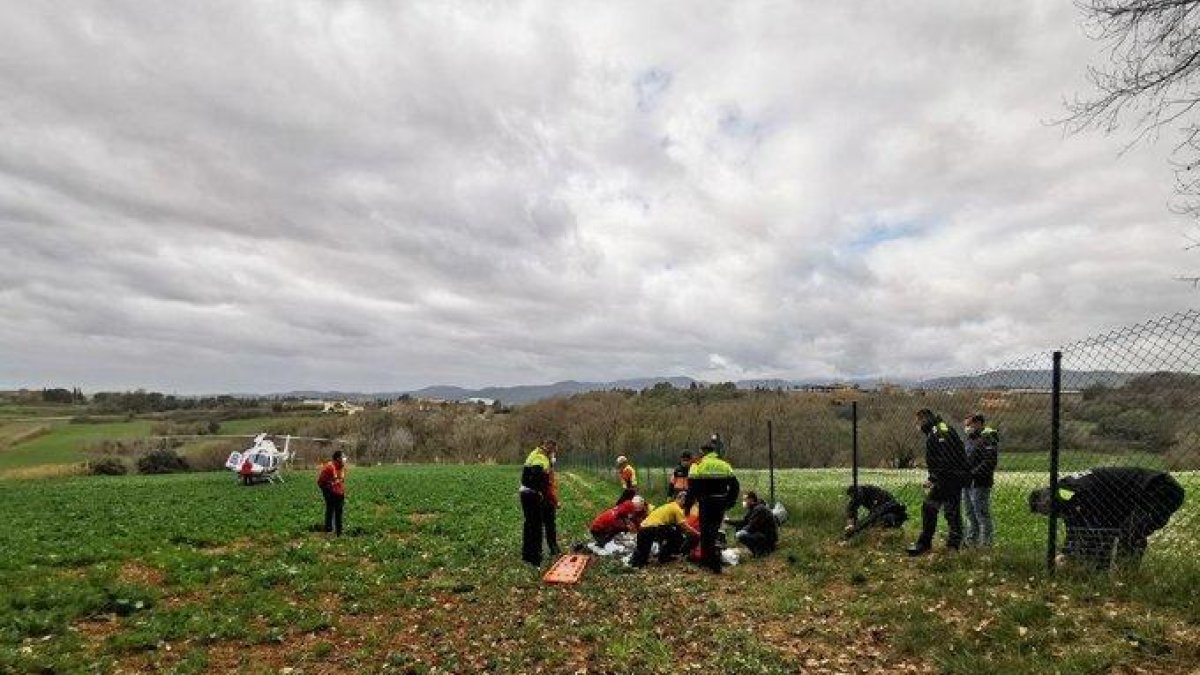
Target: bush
(211, 456)
(108, 466)
(162, 461)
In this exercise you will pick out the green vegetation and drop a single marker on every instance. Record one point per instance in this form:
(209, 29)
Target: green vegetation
(64, 443)
(192, 572)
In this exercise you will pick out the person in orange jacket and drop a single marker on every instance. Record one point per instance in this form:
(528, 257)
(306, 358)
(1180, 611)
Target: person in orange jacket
(628, 475)
(332, 481)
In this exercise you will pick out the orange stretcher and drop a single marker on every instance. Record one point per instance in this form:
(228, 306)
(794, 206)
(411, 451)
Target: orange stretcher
(568, 569)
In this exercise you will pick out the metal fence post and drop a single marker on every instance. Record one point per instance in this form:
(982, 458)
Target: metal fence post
(1055, 407)
(771, 459)
(854, 454)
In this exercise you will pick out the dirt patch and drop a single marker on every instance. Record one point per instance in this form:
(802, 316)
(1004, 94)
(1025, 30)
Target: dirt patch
(422, 517)
(134, 572)
(231, 547)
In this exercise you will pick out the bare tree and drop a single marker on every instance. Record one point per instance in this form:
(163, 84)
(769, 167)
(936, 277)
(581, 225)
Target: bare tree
(1151, 79)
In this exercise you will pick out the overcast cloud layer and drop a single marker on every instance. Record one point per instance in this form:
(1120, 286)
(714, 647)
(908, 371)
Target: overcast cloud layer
(259, 196)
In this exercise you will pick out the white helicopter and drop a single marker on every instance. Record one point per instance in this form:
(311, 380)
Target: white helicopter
(263, 460)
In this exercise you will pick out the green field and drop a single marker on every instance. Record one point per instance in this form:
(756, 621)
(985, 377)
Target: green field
(65, 442)
(192, 573)
(47, 440)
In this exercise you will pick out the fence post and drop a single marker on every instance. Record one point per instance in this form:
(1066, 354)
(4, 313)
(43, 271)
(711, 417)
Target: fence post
(1055, 406)
(771, 459)
(662, 458)
(854, 454)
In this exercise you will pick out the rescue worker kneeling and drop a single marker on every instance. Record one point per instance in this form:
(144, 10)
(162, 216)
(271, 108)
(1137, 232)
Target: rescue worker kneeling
(666, 526)
(757, 530)
(624, 517)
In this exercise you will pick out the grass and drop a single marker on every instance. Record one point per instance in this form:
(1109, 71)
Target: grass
(193, 573)
(64, 442)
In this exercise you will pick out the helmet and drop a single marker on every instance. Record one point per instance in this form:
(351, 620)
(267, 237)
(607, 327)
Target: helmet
(621, 459)
(639, 502)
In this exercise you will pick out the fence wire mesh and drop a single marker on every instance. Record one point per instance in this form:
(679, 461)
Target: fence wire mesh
(1131, 446)
(1126, 401)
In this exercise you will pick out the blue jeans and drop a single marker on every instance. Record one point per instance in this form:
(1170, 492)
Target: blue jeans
(979, 515)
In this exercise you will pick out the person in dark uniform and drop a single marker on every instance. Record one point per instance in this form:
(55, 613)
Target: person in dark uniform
(1111, 504)
(882, 510)
(757, 530)
(713, 485)
(946, 462)
(983, 451)
(538, 503)
(679, 476)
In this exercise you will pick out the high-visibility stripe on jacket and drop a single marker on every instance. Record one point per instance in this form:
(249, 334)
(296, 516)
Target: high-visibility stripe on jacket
(629, 476)
(670, 513)
(535, 475)
(711, 466)
(538, 457)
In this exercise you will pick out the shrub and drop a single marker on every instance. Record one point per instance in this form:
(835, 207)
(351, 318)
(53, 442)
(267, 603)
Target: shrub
(107, 466)
(161, 461)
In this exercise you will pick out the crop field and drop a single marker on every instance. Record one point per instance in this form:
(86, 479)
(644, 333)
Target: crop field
(193, 573)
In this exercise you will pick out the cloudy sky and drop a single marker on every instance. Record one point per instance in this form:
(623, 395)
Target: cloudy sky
(260, 196)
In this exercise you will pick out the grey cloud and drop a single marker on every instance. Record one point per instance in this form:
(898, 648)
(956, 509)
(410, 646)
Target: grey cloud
(258, 195)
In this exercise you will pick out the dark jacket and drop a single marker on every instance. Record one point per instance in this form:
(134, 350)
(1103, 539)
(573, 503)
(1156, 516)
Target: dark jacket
(1105, 496)
(868, 497)
(760, 520)
(945, 457)
(983, 452)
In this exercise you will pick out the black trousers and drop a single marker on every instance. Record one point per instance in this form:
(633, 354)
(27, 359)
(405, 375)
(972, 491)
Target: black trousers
(626, 495)
(712, 513)
(539, 517)
(333, 511)
(948, 500)
(757, 542)
(671, 542)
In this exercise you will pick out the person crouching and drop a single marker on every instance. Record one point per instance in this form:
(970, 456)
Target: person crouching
(666, 526)
(757, 530)
(624, 517)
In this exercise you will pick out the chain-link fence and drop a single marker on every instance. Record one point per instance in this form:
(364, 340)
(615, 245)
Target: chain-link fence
(1102, 438)
(1125, 399)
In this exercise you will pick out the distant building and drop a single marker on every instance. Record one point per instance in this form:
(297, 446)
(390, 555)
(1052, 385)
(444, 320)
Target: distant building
(480, 401)
(341, 408)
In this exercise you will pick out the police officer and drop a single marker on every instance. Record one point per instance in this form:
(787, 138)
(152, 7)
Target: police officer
(1124, 504)
(946, 462)
(711, 484)
(538, 503)
(983, 452)
(679, 476)
(882, 509)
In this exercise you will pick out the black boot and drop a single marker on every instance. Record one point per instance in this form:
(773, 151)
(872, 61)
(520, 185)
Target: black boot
(917, 549)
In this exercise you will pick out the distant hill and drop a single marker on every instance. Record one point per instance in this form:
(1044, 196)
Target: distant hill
(521, 394)
(1028, 379)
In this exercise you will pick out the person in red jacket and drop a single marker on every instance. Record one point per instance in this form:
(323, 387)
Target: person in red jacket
(247, 472)
(624, 517)
(332, 481)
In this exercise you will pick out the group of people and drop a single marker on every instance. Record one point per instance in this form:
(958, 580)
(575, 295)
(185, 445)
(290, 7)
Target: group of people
(1102, 508)
(700, 493)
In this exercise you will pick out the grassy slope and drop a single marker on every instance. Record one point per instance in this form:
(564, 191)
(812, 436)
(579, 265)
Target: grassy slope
(192, 572)
(64, 443)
